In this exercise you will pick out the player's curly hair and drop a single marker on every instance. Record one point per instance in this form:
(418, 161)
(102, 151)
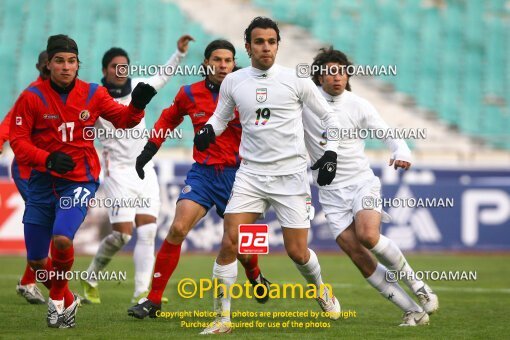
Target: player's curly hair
(329, 55)
(261, 22)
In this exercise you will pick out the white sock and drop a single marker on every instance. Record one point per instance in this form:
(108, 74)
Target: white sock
(226, 275)
(392, 290)
(311, 270)
(389, 254)
(109, 246)
(143, 256)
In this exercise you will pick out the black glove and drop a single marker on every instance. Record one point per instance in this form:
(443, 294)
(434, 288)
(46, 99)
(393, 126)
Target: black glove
(204, 137)
(142, 95)
(59, 162)
(148, 152)
(327, 168)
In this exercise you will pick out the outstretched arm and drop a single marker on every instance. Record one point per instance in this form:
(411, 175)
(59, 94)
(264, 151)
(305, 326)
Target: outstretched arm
(158, 81)
(401, 154)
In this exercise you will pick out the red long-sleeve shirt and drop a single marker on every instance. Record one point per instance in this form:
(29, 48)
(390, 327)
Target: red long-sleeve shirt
(199, 103)
(44, 121)
(24, 171)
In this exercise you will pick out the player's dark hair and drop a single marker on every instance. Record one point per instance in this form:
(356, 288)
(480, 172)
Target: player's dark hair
(219, 44)
(61, 43)
(112, 53)
(41, 62)
(261, 22)
(329, 55)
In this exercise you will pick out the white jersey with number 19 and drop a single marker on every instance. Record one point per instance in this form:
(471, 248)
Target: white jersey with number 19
(270, 104)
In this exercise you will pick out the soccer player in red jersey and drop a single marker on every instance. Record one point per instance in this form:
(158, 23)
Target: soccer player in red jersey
(210, 179)
(26, 286)
(47, 130)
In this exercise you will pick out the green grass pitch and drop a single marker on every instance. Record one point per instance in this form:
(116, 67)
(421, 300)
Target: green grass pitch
(468, 309)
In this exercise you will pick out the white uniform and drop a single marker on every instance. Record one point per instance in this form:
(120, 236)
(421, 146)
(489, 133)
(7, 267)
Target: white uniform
(273, 170)
(355, 186)
(119, 159)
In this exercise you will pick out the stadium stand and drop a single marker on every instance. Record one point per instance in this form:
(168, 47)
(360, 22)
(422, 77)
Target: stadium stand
(456, 79)
(97, 26)
(450, 67)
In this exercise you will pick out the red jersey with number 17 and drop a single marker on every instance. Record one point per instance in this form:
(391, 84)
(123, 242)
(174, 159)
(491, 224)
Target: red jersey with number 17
(44, 121)
(199, 102)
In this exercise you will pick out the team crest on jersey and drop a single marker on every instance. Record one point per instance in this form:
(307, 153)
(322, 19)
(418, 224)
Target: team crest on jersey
(50, 116)
(84, 115)
(261, 95)
(186, 189)
(19, 121)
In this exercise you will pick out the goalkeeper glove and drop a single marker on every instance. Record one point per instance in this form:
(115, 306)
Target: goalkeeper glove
(144, 157)
(204, 137)
(327, 168)
(59, 162)
(142, 95)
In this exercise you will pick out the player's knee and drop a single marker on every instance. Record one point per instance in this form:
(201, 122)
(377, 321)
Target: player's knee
(61, 242)
(229, 244)
(368, 235)
(299, 256)
(179, 230)
(369, 239)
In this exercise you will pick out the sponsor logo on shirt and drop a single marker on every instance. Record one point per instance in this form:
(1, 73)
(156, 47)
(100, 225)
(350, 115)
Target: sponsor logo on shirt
(186, 189)
(199, 114)
(50, 116)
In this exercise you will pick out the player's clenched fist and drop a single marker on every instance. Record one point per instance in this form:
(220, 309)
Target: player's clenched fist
(145, 156)
(142, 95)
(204, 137)
(60, 162)
(327, 168)
(399, 164)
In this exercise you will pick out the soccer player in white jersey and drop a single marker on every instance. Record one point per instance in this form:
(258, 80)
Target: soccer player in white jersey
(122, 181)
(273, 168)
(350, 202)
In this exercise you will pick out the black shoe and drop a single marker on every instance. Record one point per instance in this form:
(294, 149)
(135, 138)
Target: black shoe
(262, 295)
(144, 308)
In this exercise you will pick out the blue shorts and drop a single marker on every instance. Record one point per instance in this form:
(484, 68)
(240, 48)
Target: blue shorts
(55, 206)
(21, 184)
(208, 186)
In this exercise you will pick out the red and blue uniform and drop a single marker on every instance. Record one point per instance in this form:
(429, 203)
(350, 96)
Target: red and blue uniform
(45, 120)
(210, 180)
(20, 173)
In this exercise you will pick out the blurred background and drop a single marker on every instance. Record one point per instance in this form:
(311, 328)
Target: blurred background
(453, 79)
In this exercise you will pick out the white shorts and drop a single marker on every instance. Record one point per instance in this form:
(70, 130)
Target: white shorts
(342, 205)
(125, 183)
(288, 194)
